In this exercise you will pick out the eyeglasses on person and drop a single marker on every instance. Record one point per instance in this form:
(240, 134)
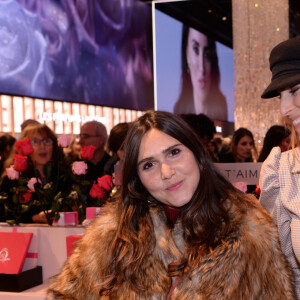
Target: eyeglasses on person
(45, 141)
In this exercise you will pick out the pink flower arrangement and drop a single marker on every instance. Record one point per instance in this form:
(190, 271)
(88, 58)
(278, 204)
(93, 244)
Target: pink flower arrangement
(20, 162)
(31, 182)
(12, 174)
(64, 141)
(87, 152)
(79, 167)
(24, 147)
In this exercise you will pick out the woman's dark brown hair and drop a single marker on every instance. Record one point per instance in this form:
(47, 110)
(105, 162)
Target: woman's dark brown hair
(205, 219)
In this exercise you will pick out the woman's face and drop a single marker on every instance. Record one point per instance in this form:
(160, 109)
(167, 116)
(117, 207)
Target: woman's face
(167, 169)
(285, 144)
(244, 148)
(43, 149)
(198, 59)
(290, 105)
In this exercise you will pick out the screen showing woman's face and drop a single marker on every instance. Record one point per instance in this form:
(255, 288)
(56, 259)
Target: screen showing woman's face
(198, 59)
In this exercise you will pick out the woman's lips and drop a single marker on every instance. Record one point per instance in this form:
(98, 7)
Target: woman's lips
(176, 186)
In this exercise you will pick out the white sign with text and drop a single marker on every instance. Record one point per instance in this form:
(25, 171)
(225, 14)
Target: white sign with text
(240, 172)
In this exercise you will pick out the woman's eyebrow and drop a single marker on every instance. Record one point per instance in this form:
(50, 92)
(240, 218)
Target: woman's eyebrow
(164, 151)
(196, 42)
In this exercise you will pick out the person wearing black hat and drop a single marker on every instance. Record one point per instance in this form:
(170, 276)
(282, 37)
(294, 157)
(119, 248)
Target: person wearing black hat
(280, 173)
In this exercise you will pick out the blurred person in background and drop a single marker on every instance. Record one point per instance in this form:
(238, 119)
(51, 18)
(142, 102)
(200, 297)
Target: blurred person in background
(45, 152)
(242, 147)
(6, 144)
(94, 133)
(276, 136)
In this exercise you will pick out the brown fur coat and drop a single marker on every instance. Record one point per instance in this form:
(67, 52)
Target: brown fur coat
(247, 265)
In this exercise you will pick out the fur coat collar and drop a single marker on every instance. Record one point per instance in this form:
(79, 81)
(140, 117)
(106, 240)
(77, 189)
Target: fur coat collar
(247, 265)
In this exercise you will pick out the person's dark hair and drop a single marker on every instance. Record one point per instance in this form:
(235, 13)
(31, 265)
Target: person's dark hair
(185, 102)
(273, 138)
(117, 136)
(6, 139)
(201, 124)
(28, 122)
(237, 135)
(205, 219)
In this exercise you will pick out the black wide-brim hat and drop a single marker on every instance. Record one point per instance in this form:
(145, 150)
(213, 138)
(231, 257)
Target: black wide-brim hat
(285, 67)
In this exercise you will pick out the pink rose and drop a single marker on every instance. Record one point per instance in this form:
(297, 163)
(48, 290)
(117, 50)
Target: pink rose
(12, 174)
(87, 152)
(31, 182)
(242, 186)
(26, 197)
(24, 147)
(97, 192)
(105, 182)
(79, 167)
(64, 141)
(20, 162)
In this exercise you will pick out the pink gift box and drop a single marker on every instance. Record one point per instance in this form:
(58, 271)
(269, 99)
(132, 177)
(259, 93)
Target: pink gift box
(32, 254)
(92, 212)
(71, 240)
(67, 218)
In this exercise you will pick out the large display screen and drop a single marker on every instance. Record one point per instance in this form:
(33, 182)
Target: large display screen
(95, 52)
(194, 72)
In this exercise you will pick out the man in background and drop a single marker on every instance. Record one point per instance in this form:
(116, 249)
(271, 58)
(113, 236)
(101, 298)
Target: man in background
(94, 133)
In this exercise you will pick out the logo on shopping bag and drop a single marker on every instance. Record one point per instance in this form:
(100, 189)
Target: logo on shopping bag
(4, 255)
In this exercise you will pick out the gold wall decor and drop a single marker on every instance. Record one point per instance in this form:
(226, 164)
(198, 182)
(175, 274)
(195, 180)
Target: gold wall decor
(257, 27)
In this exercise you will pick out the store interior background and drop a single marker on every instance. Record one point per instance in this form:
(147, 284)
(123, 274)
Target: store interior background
(250, 28)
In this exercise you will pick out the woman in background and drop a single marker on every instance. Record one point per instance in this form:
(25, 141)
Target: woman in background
(200, 77)
(276, 136)
(45, 153)
(279, 176)
(178, 229)
(242, 147)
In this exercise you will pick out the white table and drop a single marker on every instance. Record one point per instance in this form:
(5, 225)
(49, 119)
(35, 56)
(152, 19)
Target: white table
(52, 255)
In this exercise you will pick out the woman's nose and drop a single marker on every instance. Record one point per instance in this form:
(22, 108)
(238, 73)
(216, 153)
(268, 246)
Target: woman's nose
(166, 171)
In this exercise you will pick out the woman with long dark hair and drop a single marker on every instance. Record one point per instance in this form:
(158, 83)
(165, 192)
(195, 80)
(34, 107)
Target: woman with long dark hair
(200, 77)
(276, 136)
(242, 147)
(177, 230)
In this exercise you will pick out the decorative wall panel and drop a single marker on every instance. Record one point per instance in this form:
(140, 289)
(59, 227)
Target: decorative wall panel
(257, 27)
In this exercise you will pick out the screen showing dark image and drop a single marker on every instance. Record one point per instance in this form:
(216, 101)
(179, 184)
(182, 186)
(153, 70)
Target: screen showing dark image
(93, 52)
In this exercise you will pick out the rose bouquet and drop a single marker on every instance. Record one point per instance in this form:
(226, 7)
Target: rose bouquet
(85, 192)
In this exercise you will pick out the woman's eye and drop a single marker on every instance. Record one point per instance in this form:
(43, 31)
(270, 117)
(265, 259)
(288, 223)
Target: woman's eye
(147, 165)
(294, 90)
(196, 49)
(174, 152)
